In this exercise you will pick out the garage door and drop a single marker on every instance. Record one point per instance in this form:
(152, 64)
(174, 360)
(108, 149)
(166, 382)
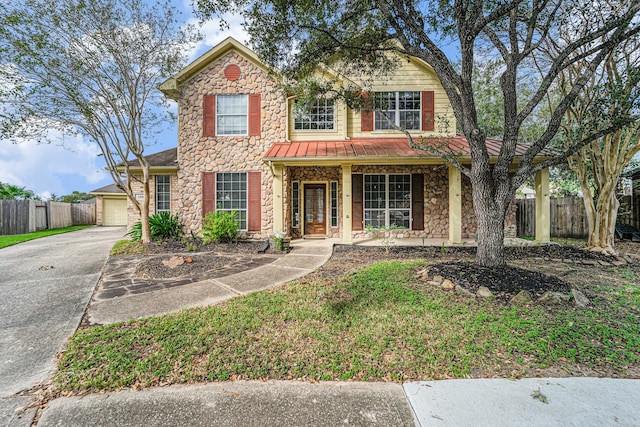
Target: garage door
(114, 212)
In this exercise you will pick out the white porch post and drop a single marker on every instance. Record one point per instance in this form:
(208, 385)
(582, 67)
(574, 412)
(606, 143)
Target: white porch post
(278, 200)
(543, 207)
(346, 204)
(455, 205)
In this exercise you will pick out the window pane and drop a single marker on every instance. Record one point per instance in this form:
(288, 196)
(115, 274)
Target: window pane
(318, 116)
(163, 193)
(231, 114)
(231, 195)
(295, 205)
(402, 108)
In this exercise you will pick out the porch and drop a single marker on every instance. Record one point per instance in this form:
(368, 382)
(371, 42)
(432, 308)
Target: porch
(341, 189)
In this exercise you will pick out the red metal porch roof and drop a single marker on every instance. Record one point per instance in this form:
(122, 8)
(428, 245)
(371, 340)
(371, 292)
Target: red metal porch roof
(374, 147)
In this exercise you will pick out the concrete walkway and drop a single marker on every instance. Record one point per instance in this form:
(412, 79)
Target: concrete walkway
(45, 285)
(305, 257)
(580, 402)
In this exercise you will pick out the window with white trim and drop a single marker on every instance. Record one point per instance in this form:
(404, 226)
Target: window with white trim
(163, 193)
(231, 195)
(318, 116)
(295, 204)
(387, 200)
(334, 203)
(402, 108)
(231, 114)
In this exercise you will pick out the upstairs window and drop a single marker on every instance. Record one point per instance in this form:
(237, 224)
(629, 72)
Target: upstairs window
(231, 114)
(318, 116)
(401, 108)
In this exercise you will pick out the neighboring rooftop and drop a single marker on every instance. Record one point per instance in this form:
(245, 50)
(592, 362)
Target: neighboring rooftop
(108, 189)
(166, 158)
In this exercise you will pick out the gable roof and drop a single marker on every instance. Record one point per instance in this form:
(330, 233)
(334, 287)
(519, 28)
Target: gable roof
(166, 158)
(170, 86)
(108, 189)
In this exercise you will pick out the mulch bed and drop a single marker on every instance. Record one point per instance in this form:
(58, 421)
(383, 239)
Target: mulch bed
(503, 282)
(457, 264)
(154, 267)
(195, 245)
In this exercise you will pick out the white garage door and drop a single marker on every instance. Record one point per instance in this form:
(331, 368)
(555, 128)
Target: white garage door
(114, 212)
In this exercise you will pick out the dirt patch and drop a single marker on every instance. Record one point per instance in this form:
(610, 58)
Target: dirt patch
(155, 268)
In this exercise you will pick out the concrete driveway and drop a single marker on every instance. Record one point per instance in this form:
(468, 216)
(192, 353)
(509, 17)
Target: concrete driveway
(45, 285)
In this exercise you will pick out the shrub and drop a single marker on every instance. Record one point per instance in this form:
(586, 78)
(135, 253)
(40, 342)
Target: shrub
(163, 226)
(220, 226)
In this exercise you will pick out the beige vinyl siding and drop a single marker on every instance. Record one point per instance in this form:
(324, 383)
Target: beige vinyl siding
(411, 76)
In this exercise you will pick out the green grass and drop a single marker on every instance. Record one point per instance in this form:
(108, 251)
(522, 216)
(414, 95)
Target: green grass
(128, 247)
(377, 324)
(19, 238)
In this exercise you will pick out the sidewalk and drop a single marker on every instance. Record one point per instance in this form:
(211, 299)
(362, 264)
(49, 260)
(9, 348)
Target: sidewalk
(487, 402)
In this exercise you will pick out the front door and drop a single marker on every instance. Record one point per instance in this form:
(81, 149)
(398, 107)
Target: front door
(314, 205)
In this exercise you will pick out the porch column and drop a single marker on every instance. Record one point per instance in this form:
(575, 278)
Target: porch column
(543, 207)
(278, 200)
(455, 205)
(346, 204)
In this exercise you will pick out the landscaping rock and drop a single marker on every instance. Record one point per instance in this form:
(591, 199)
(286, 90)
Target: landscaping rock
(433, 283)
(438, 279)
(173, 262)
(580, 299)
(522, 298)
(553, 298)
(464, 291)
(447, 284)
(484, 292)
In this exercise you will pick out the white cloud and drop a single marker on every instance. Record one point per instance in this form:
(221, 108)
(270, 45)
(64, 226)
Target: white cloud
(213, 34)
(69, 164)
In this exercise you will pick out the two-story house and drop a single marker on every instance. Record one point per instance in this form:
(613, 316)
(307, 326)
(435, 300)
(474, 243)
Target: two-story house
(324, 170)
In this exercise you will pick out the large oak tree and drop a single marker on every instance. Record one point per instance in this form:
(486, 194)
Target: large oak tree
(297, 36)
(90, 67)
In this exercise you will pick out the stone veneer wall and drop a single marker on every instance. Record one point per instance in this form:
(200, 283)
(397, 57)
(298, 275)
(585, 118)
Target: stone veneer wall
(436, 200)
(197, 154)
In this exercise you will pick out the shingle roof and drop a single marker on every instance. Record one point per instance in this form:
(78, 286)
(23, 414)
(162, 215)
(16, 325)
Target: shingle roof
(111, 188)
(376, 147)
(163, 158)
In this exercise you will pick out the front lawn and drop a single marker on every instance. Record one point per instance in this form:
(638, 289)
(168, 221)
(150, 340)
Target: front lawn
(376, 322)
(19, 238)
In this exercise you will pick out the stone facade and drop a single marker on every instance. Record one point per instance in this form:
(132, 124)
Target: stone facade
(198, 154)
(436, 199)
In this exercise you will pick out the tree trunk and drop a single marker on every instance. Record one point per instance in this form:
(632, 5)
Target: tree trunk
(144, 208)
(601, 232)
(490, 219)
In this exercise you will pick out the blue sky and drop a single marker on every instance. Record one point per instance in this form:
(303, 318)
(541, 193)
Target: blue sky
(72, 163)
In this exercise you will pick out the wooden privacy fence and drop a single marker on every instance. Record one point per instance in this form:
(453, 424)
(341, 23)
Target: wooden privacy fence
(27, 216)
(568, 217)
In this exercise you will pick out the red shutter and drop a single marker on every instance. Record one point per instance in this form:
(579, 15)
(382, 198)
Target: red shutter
(357, 213)
(254, 114)
(417, 201)
(254, 207)
(208, 192)
(209, 115)
(366, 114)
(428, 110)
